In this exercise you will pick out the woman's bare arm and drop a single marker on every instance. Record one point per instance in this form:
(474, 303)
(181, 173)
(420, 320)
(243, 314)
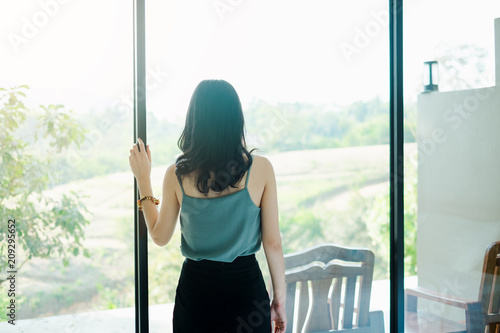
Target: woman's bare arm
(271, 241)
(161, 225)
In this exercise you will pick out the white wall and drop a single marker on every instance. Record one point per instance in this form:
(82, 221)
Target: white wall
(458, 135)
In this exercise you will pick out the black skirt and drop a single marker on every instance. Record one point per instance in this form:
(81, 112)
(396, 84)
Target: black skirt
(222, 297)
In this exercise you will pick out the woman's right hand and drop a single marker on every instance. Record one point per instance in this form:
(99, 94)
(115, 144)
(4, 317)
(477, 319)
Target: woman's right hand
(278, 316)
(140, 162)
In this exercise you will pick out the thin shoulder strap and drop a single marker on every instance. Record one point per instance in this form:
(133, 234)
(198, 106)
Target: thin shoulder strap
(180, 183)
(248, 173)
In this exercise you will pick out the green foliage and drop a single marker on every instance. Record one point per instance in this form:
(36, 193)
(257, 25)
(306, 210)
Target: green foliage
(164, 266)
(104, 148)
(51, 226)
(378, 224)
(58, 125)
(270, 128)
(364, 222)
(370, 132)
(47, 225)
(114, 297)
(300, 126)
(300, 229)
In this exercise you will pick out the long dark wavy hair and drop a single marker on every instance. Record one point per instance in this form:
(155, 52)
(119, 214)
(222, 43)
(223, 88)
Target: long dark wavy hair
(213, 139)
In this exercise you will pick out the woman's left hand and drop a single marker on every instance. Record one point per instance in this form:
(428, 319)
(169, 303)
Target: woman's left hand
(140, 161)
(278, 316)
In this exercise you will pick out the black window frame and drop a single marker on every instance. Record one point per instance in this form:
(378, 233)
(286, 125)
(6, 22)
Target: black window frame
(140, 131)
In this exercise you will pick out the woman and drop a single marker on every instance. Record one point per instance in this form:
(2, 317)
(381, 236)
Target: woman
(227, 200)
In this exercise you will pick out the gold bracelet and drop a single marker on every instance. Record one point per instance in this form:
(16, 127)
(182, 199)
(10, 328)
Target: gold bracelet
(147, 197)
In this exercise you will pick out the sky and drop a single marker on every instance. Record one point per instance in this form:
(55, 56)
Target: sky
(79, 53)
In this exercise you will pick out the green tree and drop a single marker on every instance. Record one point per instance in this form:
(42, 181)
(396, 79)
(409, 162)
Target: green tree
(300, 126)
(378, 224)
(300, 229)
(47, 225)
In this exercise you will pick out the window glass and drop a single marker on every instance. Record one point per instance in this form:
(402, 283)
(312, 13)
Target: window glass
(451, 153)
(314, 84)
(66, 115)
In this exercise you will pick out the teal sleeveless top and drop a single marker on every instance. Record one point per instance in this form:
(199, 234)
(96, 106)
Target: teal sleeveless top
(221, 228)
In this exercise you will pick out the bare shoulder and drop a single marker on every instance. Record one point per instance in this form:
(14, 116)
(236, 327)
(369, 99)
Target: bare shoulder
(261, 161)
(170, 171)
(171, 168)
(262, 166)
(170, 176)
(171, 185)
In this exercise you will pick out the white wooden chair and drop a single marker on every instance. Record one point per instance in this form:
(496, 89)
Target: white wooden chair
(333, 287)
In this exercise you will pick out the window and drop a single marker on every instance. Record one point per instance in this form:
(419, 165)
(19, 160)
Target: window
(313, 81)
(450, 170)
(76, 58)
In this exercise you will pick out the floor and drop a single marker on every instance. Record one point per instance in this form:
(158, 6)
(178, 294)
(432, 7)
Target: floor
(108, 321)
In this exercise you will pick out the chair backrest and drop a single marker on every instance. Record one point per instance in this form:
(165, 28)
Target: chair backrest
(489, 292)
(328, 288)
